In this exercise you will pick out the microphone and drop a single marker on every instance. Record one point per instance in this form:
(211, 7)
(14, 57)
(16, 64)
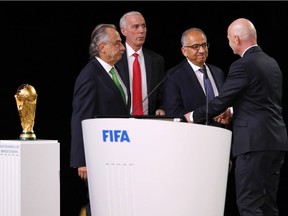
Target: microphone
(151, 92)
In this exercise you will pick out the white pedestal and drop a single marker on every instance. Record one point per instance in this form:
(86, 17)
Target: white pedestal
(29, 178)
(156, 168)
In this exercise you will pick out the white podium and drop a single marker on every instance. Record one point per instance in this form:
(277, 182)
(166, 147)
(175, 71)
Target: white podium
(29, 178)
(141, 167)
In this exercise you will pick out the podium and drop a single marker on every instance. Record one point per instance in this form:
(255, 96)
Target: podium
(146, 167)
(29, 178)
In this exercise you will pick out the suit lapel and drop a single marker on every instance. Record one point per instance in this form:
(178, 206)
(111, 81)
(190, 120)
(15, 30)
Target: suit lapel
(104, 76)
(217, 80)
(122, 68)
(195, 82)
(149, 69)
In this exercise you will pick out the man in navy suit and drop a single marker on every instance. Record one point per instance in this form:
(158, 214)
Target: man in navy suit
(184, 88)
(95, 93)
(133, 28)
(254, 88)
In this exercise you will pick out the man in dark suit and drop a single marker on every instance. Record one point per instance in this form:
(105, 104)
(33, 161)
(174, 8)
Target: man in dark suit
(134, 29)
(184, 89)
(95, 92)
(254, 88)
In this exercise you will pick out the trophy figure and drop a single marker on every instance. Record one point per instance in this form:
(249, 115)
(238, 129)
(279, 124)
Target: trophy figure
(26, 98)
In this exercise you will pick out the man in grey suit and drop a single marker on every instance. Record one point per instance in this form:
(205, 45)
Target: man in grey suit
(254, 88)
(134, 29)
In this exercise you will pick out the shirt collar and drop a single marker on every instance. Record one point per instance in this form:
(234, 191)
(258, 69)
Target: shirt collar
(130, 51)
(247, 49)
(194, 67)
(106, 66)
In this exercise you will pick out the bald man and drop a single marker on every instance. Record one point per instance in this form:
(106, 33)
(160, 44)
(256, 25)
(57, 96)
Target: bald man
(254, 88)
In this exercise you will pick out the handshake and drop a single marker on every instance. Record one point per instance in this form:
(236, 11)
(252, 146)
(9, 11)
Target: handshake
(223, 118)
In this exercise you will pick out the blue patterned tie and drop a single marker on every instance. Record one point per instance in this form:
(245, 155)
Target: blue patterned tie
(207, 84)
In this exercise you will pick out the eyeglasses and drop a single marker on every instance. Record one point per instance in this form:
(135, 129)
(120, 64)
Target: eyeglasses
(197, 46)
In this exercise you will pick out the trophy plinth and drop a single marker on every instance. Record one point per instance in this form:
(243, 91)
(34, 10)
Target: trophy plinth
(27, 136)
(26, 98)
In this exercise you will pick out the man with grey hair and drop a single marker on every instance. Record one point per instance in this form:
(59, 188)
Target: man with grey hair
(95, 91)
(133, 28)
(185, 88)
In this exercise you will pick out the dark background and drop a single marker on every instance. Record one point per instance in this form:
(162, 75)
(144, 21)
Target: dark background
(45, 44)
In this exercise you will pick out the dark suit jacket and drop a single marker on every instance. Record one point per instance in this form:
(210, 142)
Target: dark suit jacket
(95, 94)
(182, 90)
(154, 64)
(254, 88)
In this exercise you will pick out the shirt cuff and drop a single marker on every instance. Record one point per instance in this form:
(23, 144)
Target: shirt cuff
(191, 116)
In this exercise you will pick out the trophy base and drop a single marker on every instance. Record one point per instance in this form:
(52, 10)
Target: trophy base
(27, 136)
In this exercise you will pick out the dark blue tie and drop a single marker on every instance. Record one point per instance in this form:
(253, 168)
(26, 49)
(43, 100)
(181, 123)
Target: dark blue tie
(207, 84)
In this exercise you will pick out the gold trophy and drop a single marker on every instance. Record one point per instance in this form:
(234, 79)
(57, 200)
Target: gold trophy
(26, 98)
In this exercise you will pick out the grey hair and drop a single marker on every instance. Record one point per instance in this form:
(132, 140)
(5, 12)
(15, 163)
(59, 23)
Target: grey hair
(123, 23)
(185, 33)
(99, 35)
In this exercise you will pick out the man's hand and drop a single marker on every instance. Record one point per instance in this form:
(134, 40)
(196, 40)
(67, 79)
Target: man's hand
(82, 172)
(225, 117)
(160, 112)
(187, 116)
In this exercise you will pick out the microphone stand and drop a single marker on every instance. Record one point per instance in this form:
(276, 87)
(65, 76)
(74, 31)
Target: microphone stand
(153, 90)
(206, 106)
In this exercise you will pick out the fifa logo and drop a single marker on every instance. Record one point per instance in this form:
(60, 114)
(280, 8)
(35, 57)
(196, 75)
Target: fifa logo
(115, 136)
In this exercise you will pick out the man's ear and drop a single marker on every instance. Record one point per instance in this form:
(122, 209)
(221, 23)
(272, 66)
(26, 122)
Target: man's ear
(123, 31)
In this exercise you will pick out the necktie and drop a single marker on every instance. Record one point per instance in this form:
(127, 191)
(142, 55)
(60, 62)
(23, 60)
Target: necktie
(207, 84)
(117, 83)
(137, 108)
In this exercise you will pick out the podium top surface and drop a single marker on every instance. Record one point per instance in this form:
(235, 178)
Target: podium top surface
(38, 141)
(150, 117)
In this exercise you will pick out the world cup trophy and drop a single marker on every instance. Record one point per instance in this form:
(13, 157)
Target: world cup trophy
(26, 98)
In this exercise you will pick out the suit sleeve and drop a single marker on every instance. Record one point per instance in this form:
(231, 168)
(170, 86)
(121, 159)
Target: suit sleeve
(228, 95)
